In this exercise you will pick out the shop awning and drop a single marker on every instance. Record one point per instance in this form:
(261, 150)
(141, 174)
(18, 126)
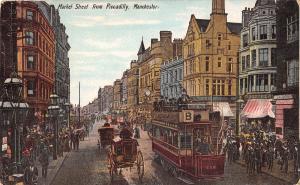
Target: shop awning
(257, 108)
(223, 108)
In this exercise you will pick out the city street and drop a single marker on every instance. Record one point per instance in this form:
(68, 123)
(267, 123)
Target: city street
(88, 167)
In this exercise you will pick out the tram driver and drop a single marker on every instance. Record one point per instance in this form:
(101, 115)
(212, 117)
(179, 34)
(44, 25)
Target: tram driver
(203, 147)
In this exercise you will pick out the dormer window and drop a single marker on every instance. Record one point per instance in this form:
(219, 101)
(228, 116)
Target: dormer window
(29, 15)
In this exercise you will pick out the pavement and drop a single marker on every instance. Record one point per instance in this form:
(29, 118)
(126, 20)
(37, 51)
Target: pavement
(288, 177)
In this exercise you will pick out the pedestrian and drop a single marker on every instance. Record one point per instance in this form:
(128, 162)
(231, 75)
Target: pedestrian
(77, 137)
(73, 140)
(44, 160)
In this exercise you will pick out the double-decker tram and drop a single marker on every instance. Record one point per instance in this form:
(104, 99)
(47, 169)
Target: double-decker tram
(185, 141)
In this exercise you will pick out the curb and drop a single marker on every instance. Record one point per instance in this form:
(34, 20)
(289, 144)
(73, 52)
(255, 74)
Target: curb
(264, 172)
(59, 167)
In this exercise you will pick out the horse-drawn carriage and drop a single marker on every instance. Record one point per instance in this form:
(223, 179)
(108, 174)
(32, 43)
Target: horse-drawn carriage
(124, 153)
(106, 135)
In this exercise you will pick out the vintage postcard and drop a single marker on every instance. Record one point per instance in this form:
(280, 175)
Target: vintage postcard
(149, 92)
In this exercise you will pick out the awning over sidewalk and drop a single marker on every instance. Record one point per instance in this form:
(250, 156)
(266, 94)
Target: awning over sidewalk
(258, 108)
(223, 108)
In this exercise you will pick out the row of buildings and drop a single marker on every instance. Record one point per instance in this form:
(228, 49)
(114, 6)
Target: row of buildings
(34, 43)
(247, 71)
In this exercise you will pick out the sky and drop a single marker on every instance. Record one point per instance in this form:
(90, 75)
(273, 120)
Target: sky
(103, 42)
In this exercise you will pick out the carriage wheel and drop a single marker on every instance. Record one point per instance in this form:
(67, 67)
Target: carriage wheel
(140, 164)
(110, 165)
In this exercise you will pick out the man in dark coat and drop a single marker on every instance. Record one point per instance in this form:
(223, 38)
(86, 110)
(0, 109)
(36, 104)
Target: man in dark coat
(44, 160)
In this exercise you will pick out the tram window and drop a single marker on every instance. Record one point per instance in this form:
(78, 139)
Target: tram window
(186, 141)
(175, 139)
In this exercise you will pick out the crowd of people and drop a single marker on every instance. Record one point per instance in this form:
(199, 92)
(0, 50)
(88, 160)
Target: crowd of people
(259, 148)
(38, 146)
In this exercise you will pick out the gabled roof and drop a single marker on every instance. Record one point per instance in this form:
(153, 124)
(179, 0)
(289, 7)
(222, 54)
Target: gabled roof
(234, 27)
(202, 24)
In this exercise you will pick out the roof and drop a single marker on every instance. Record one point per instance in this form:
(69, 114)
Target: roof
(142, 48)
(202, 24)
(234, 27)
(264, 2)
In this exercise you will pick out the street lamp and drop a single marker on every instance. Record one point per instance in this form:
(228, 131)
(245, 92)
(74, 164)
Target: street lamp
(54, 111)
(12, 108)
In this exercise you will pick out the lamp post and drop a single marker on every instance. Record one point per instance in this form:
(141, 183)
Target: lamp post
(240, 103)
(54, 112)
(13, 108)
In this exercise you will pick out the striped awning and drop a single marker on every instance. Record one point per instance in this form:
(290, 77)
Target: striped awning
(258, 108)
(223, 108)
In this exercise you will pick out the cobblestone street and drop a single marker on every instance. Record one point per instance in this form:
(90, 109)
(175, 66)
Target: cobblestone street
(88, 167)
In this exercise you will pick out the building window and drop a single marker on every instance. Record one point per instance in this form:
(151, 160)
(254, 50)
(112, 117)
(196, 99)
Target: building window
(175, 75)
(229, 46)
(273, 57)
(263, 57)
(243, 63)
(207, 87)
(248, 61)
(29, 38)
(245, 40)
(30, 62)
(229, 88)
(180, 74)
(31, 88)
(253, 32)
(214, 87)
(219, 64)
(29, 15)
(251, 86)
(273, 81)
(292, 72)
(219, 37)
(207, 65)
(241, 86)
(207, 43)
(263, 32)
(229, 66)
(218, 87)
(253, 58)
(273, 31)
(292, 28)
(262, 82)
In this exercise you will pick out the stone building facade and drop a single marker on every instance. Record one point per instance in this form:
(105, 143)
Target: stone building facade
(171, 76)
(133, 85)
(257, 74)
(210, 53)
(62, 69)
(105, 97)
(287, 94)
(124, 90)
(116, 95)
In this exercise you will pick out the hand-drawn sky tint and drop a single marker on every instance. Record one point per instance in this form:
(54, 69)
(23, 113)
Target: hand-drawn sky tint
(103, 42)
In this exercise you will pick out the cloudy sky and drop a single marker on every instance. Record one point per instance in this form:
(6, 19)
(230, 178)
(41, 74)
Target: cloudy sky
(103, 42)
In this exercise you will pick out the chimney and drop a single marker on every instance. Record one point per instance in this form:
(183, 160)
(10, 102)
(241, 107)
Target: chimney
(165, 36)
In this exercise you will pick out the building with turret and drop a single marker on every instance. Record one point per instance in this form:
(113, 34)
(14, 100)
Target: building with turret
(210, 53)
(257, 72)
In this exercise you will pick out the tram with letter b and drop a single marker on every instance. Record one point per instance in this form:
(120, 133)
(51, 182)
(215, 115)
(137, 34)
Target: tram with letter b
(185, 141)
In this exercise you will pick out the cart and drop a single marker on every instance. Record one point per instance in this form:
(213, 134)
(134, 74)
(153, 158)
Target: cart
(124, 153)
(106, 135)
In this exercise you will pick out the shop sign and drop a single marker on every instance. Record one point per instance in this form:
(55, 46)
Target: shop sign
(283, 97)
